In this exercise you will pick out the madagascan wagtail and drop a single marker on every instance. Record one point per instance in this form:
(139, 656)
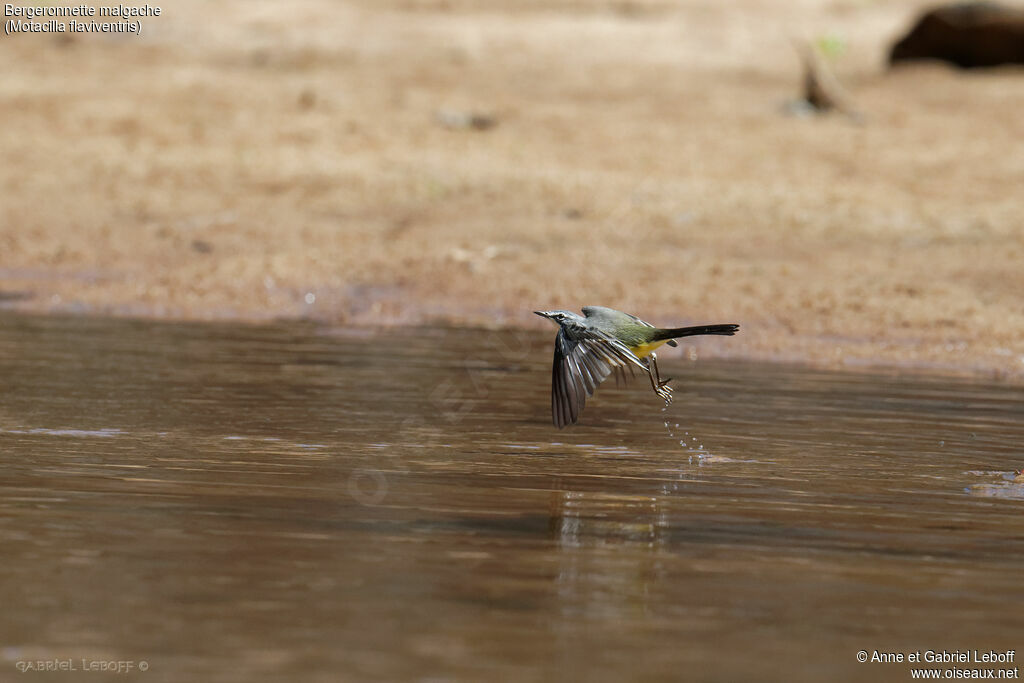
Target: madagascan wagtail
(591, 346)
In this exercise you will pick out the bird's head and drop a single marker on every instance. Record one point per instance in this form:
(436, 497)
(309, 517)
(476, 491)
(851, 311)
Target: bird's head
(557, 316)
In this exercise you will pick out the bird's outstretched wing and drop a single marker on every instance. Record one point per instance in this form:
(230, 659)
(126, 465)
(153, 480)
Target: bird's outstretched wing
(579, 366)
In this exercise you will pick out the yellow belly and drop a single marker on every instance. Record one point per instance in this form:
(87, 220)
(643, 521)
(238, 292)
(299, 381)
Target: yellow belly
(646, 349)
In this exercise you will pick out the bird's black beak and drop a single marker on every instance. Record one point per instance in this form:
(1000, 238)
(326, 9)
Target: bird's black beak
(543, 314)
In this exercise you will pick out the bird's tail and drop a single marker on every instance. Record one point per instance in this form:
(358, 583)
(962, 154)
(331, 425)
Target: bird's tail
(676, 332)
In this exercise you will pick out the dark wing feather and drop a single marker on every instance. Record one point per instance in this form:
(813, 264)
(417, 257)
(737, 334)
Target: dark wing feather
(579, 366)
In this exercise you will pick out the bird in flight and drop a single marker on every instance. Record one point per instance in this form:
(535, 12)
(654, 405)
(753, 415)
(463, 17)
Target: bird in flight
(592, 346)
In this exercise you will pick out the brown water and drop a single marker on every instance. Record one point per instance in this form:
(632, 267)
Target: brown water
(295, 503)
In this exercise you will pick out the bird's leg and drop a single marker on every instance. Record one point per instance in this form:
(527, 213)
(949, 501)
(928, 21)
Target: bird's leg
(661, 388)
(657, 374)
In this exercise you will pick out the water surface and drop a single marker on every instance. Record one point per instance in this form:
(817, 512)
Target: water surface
(292, 502)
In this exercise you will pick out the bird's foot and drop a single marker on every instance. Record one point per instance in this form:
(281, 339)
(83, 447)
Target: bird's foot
(665, 392)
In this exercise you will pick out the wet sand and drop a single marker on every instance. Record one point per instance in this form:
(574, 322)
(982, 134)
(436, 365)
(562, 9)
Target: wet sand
(306, 160)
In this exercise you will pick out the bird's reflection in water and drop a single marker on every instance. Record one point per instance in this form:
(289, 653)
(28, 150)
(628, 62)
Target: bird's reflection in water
(610, 547)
